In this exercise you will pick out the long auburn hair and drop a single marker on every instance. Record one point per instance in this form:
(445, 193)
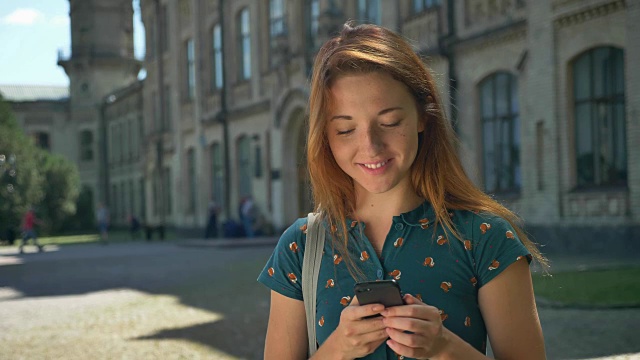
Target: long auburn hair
(436, 174)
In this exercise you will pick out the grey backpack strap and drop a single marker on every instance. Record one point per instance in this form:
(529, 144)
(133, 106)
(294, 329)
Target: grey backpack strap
(310, 269)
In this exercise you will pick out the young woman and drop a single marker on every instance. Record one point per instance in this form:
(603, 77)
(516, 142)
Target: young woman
(396, 204)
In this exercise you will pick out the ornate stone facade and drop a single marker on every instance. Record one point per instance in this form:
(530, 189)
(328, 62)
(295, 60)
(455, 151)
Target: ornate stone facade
(234, 128)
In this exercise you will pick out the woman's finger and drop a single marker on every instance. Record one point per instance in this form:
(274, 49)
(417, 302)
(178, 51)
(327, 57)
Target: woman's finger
(408, 324)
(411, 300)
(407, 339)
(355, 311)
(404, 350)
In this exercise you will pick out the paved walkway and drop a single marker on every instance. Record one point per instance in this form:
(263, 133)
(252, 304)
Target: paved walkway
(78, 273)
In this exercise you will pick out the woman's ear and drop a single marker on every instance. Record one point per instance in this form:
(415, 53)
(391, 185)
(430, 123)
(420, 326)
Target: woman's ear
(422, 123)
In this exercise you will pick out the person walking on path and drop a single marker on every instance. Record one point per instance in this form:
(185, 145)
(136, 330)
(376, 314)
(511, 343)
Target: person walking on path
(395, 204)
(134, 227)
(212, 221)
(28, 230)
(249, 216)
(102, 217)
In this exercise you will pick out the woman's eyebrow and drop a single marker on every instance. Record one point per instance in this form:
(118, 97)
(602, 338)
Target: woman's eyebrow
(381, 112)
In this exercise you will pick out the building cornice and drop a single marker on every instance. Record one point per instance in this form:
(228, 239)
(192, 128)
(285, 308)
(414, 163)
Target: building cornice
(492, 36)
(251, 109)
(588, 13)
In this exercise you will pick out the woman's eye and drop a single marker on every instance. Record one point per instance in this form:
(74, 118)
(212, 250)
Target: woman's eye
(345, 132)
(393, 124)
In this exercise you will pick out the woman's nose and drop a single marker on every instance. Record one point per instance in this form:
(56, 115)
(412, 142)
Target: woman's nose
(371, 141)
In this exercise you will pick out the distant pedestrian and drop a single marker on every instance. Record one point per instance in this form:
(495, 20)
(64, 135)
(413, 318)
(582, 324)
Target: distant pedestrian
(28, 230)
(102, 217)
(134, 226)
(212, 220)
(249, 216)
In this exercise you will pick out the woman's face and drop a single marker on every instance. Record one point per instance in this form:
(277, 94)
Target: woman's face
(372, 129)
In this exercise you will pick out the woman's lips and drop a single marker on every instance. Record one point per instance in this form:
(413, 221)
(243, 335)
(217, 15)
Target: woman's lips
(375, 168)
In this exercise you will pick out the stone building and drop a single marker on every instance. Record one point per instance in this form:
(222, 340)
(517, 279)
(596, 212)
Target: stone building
(543, 96)
(70, 121)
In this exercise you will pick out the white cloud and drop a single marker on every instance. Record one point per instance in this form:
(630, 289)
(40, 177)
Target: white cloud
(23, 17)
(59, 20)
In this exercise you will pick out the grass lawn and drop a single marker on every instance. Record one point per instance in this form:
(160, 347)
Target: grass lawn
(614, 287)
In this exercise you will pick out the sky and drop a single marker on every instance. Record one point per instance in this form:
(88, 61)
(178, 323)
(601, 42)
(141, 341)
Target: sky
(32, 32)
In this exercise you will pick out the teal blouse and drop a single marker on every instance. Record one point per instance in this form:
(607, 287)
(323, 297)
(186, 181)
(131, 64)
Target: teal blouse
(443, 273)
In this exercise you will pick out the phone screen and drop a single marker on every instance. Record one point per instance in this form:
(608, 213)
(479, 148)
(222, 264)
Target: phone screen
(385, 292)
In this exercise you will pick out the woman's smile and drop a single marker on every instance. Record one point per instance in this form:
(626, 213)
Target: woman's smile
(373, 131)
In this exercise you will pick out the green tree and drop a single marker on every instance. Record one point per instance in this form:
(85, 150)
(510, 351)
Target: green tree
(84, 219)
(20, 179)
(60, 190)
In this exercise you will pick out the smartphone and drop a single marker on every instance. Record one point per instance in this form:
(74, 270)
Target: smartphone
(385, 292)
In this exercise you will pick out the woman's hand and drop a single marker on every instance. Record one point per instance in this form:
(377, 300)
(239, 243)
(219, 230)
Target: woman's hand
(426, 338)
(356, 336)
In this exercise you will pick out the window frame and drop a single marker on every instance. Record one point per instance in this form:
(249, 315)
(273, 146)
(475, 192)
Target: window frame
(512, 141)
(422, 6)
(217, 59)
(87, 145)
(190, 68)
(244, 44)
(610, 105)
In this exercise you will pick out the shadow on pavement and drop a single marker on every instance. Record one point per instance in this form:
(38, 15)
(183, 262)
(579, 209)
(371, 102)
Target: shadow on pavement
(217, 280)
(223, 281)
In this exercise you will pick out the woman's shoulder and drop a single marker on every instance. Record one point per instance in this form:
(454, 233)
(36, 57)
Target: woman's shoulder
(298, 227)
(478, 221)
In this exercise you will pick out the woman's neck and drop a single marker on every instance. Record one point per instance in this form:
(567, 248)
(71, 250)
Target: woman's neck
(382, 207)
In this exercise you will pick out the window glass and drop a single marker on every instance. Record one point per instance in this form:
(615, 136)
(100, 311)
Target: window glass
(369, 11)
(601, 156)
(500, 133)
(584, 143)
(502, 95)
(245, 45)
(86, 145)
(315, 15)
(486, 94)
(582, 78)
(489, 156)
(218, 73)
(191, 69)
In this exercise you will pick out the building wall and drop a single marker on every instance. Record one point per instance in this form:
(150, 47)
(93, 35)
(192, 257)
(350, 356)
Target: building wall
(535, 41)
(125, 156)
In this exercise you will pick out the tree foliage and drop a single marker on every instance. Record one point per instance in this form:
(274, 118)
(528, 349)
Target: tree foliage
(32, 177)
(60, 190)
(20, 180)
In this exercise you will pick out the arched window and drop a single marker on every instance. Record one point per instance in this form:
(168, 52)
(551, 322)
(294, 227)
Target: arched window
(599, 110)
(86, 145)
(244, 44)
(500, 133)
